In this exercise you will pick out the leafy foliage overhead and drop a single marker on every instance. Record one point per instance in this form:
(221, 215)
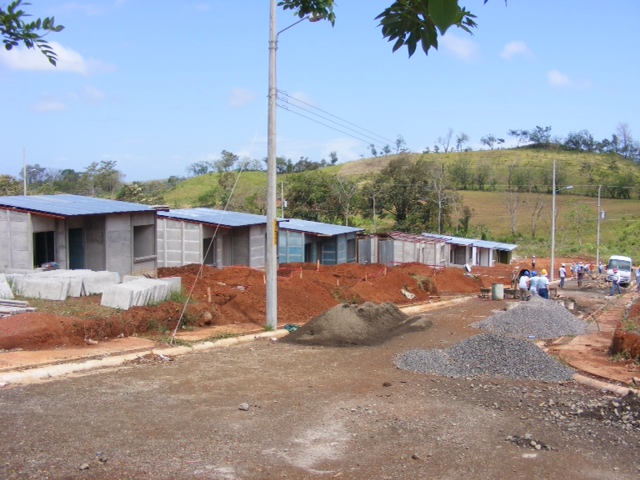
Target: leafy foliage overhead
(405, 22)
(15, 30)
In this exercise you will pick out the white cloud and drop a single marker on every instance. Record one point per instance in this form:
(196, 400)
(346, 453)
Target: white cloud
(68, 61)
(462, 48)
(557, 79)
(241, 97)
(49, 106)
(516, 49)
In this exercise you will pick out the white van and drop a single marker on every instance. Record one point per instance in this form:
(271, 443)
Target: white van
(623, 264)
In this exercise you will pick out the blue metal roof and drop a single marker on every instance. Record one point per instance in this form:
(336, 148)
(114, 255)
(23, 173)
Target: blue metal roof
(215, 217)
(316, 228)
(450, 239)
(70, 205)
(473, 242)
(494, 245)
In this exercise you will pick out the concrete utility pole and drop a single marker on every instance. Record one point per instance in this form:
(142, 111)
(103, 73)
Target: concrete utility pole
(553, 225)
(271, 265)
(271, 261)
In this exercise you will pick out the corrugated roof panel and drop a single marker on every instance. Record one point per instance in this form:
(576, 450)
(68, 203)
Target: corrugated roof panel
(70, 205)
(494, 245)
(316, 228)
(450, 239)
(215, 217)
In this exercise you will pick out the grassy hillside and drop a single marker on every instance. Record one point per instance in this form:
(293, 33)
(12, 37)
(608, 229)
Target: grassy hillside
(576, 208)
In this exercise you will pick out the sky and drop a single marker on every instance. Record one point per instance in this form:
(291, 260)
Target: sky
(159, 85)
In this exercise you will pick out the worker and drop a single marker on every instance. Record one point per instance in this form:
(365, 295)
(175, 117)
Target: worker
(562, 273)
(533, 284)
(615, 282)
(523, 286)
(543, 284)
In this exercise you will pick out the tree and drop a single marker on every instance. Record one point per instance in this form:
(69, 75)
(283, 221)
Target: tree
(309, 197)
(198, 168)
(406, 23)
(10, 186)
(102, 178)
(345, 190)
(401, 145)
(16, 31)
(333, 158)
(461, 140)
(535, 206)
(521, 136)
(460, 171)
(580, 219)
(490, 140)
(483, 174)
(511, 202)
(445, 141)
(540, 136)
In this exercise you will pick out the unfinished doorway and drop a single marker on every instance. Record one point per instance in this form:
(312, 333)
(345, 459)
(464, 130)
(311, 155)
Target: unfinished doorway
(43, 248)
(209, 246)
(76, 248)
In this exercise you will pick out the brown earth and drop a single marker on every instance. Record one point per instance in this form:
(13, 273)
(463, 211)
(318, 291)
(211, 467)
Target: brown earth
(236, 296)
(273, 409)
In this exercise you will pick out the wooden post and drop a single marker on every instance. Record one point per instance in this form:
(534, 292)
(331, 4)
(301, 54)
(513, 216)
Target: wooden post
(209, 294)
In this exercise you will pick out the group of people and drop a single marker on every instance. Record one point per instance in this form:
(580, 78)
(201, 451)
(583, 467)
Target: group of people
(533, 284)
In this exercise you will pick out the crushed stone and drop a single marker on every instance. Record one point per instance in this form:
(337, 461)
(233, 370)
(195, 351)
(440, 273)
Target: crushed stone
(537, 318)
(487, 355)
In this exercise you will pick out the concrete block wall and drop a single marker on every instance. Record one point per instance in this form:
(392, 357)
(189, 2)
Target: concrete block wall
(15, 240)
(179, 243)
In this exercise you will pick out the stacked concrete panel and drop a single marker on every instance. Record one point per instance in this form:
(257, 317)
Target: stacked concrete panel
(5, 288)
(139, 291)
(60, 284)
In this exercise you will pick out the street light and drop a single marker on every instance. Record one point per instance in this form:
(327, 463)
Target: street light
(271, 263)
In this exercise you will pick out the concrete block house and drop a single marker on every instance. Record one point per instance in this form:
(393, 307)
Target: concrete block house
(77, 232)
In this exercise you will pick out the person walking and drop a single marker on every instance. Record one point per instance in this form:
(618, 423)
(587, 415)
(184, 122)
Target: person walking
(580, 273)
(543, 284)
(533, 284)
(638, 279)
(600, 268)
(533, 262)
(523, 286)
(562, 273)
(615, 282)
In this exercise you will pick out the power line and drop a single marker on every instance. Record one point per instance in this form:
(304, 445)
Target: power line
(358, 129)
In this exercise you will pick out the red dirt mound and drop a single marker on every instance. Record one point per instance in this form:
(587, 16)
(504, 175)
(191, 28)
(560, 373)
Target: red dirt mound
(236, 296)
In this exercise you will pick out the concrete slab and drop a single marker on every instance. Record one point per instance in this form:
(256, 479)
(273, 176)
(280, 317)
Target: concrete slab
(5, 288)
(96, 283)
(42, 288)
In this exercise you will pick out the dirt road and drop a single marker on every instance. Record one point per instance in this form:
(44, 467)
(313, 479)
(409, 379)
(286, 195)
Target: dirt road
(273, 410)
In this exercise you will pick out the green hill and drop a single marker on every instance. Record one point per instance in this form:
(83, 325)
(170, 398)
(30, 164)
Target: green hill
(526, 172)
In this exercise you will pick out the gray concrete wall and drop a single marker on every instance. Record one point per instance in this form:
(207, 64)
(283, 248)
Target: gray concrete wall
(241, 251)
(95, 257)
(16, 240)
(179, 243)
(257, 244)
(119, 244)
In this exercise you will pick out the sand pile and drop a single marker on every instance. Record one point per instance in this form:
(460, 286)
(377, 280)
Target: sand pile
(348, 325)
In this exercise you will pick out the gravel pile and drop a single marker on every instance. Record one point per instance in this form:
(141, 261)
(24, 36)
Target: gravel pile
(487, 355)
(537, 318)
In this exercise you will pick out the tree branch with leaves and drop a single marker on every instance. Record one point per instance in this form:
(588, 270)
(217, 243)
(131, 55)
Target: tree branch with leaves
(15, 30)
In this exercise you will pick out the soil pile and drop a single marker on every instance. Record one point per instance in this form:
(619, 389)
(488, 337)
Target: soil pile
(349, 325)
